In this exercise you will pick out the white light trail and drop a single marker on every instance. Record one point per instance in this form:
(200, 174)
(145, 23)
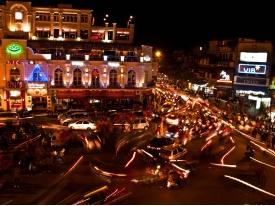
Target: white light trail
(131, 160)
(222, 159)
(262, 163)
(75, 164)
(224, 165)
(263, 149)
(207, 143)
(109, 174)
(147, 153)
(250, 185)
(232, 140)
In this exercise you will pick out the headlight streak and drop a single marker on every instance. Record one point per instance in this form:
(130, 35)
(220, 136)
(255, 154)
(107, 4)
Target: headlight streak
(131, 160)
(75, 164)
(250, 185)
(232, 140)
(206, 145)
(262, 162)
(95, 191)
(222, 159)
(147, 153)
(224, 165)
(109, 174)
(263, 149)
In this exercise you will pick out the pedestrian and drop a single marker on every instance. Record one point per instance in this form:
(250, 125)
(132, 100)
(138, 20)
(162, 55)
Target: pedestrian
(16, 176)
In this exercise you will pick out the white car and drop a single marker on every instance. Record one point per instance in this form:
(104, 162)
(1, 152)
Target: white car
(140, 124)
(83, 124)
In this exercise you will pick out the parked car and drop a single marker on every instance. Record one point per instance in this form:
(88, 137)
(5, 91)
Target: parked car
(140, 123)
(83, 124)
(69, 112)
(173, 152)
(75, 116)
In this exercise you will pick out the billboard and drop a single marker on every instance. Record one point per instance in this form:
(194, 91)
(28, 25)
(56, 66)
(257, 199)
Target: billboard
(251, 81)
(253, 57)
(252, 68)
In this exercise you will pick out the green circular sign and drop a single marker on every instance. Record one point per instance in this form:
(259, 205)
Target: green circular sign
(14, 49)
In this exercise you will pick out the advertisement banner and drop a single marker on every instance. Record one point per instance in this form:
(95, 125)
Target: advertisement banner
(252, 68)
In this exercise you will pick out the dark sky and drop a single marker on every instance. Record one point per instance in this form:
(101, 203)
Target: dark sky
(182, 23)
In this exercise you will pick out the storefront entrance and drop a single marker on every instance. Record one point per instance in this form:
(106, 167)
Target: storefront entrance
(39, 103)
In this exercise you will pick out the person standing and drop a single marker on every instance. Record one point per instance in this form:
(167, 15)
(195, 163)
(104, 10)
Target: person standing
(16, 176)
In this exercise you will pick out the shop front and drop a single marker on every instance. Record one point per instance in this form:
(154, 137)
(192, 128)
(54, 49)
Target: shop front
(37, 96)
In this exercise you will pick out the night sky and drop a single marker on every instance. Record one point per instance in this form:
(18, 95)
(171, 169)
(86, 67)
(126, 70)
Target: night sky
(177, 24)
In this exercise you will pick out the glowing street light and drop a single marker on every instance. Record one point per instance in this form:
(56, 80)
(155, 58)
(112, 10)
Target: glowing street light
(158, 54)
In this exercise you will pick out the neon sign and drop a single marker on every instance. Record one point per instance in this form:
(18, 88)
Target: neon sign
(252, 68)
(14, 49)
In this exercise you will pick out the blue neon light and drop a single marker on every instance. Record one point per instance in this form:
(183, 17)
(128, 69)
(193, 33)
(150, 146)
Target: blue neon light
(37, 75)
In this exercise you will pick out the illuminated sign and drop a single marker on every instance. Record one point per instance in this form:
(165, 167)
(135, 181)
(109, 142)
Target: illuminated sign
(113, 64)
(253, 57)
(15, 93)
(251, 81)
(224, 77)
(14, 49)
(147, 58)
(252, 68)
(36, 86)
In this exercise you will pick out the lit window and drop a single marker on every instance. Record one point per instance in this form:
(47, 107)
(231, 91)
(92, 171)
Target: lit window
(18, 15)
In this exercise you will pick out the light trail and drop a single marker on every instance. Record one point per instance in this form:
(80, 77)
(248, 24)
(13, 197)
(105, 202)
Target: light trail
(225, 155)
(206, 144)
(250, 185)
(150, 155)
(224, 165)
(95, 191)
(232, 140)
(131, 160)
(109, 174)
(75, 164)
(262, 162)
(263, 149)
(28, 141)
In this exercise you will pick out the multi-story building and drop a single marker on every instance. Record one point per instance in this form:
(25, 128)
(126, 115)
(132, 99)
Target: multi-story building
(52, 56)
(253, 67)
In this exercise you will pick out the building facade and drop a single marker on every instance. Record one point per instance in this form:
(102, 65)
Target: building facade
(54, 56)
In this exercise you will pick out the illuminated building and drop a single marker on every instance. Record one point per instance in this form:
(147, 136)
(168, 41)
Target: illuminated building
(54, 55)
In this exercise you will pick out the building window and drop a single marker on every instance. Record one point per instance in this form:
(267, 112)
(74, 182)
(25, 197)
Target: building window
(113, 78)
(84, 34)
(56, 33)
(69, 18)
(56, 17)
(58, 77)
(131, 78)
(43, 17)
(95, 78)
(77, 77)
(43, 33)
(84, 18)
(14, 74)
